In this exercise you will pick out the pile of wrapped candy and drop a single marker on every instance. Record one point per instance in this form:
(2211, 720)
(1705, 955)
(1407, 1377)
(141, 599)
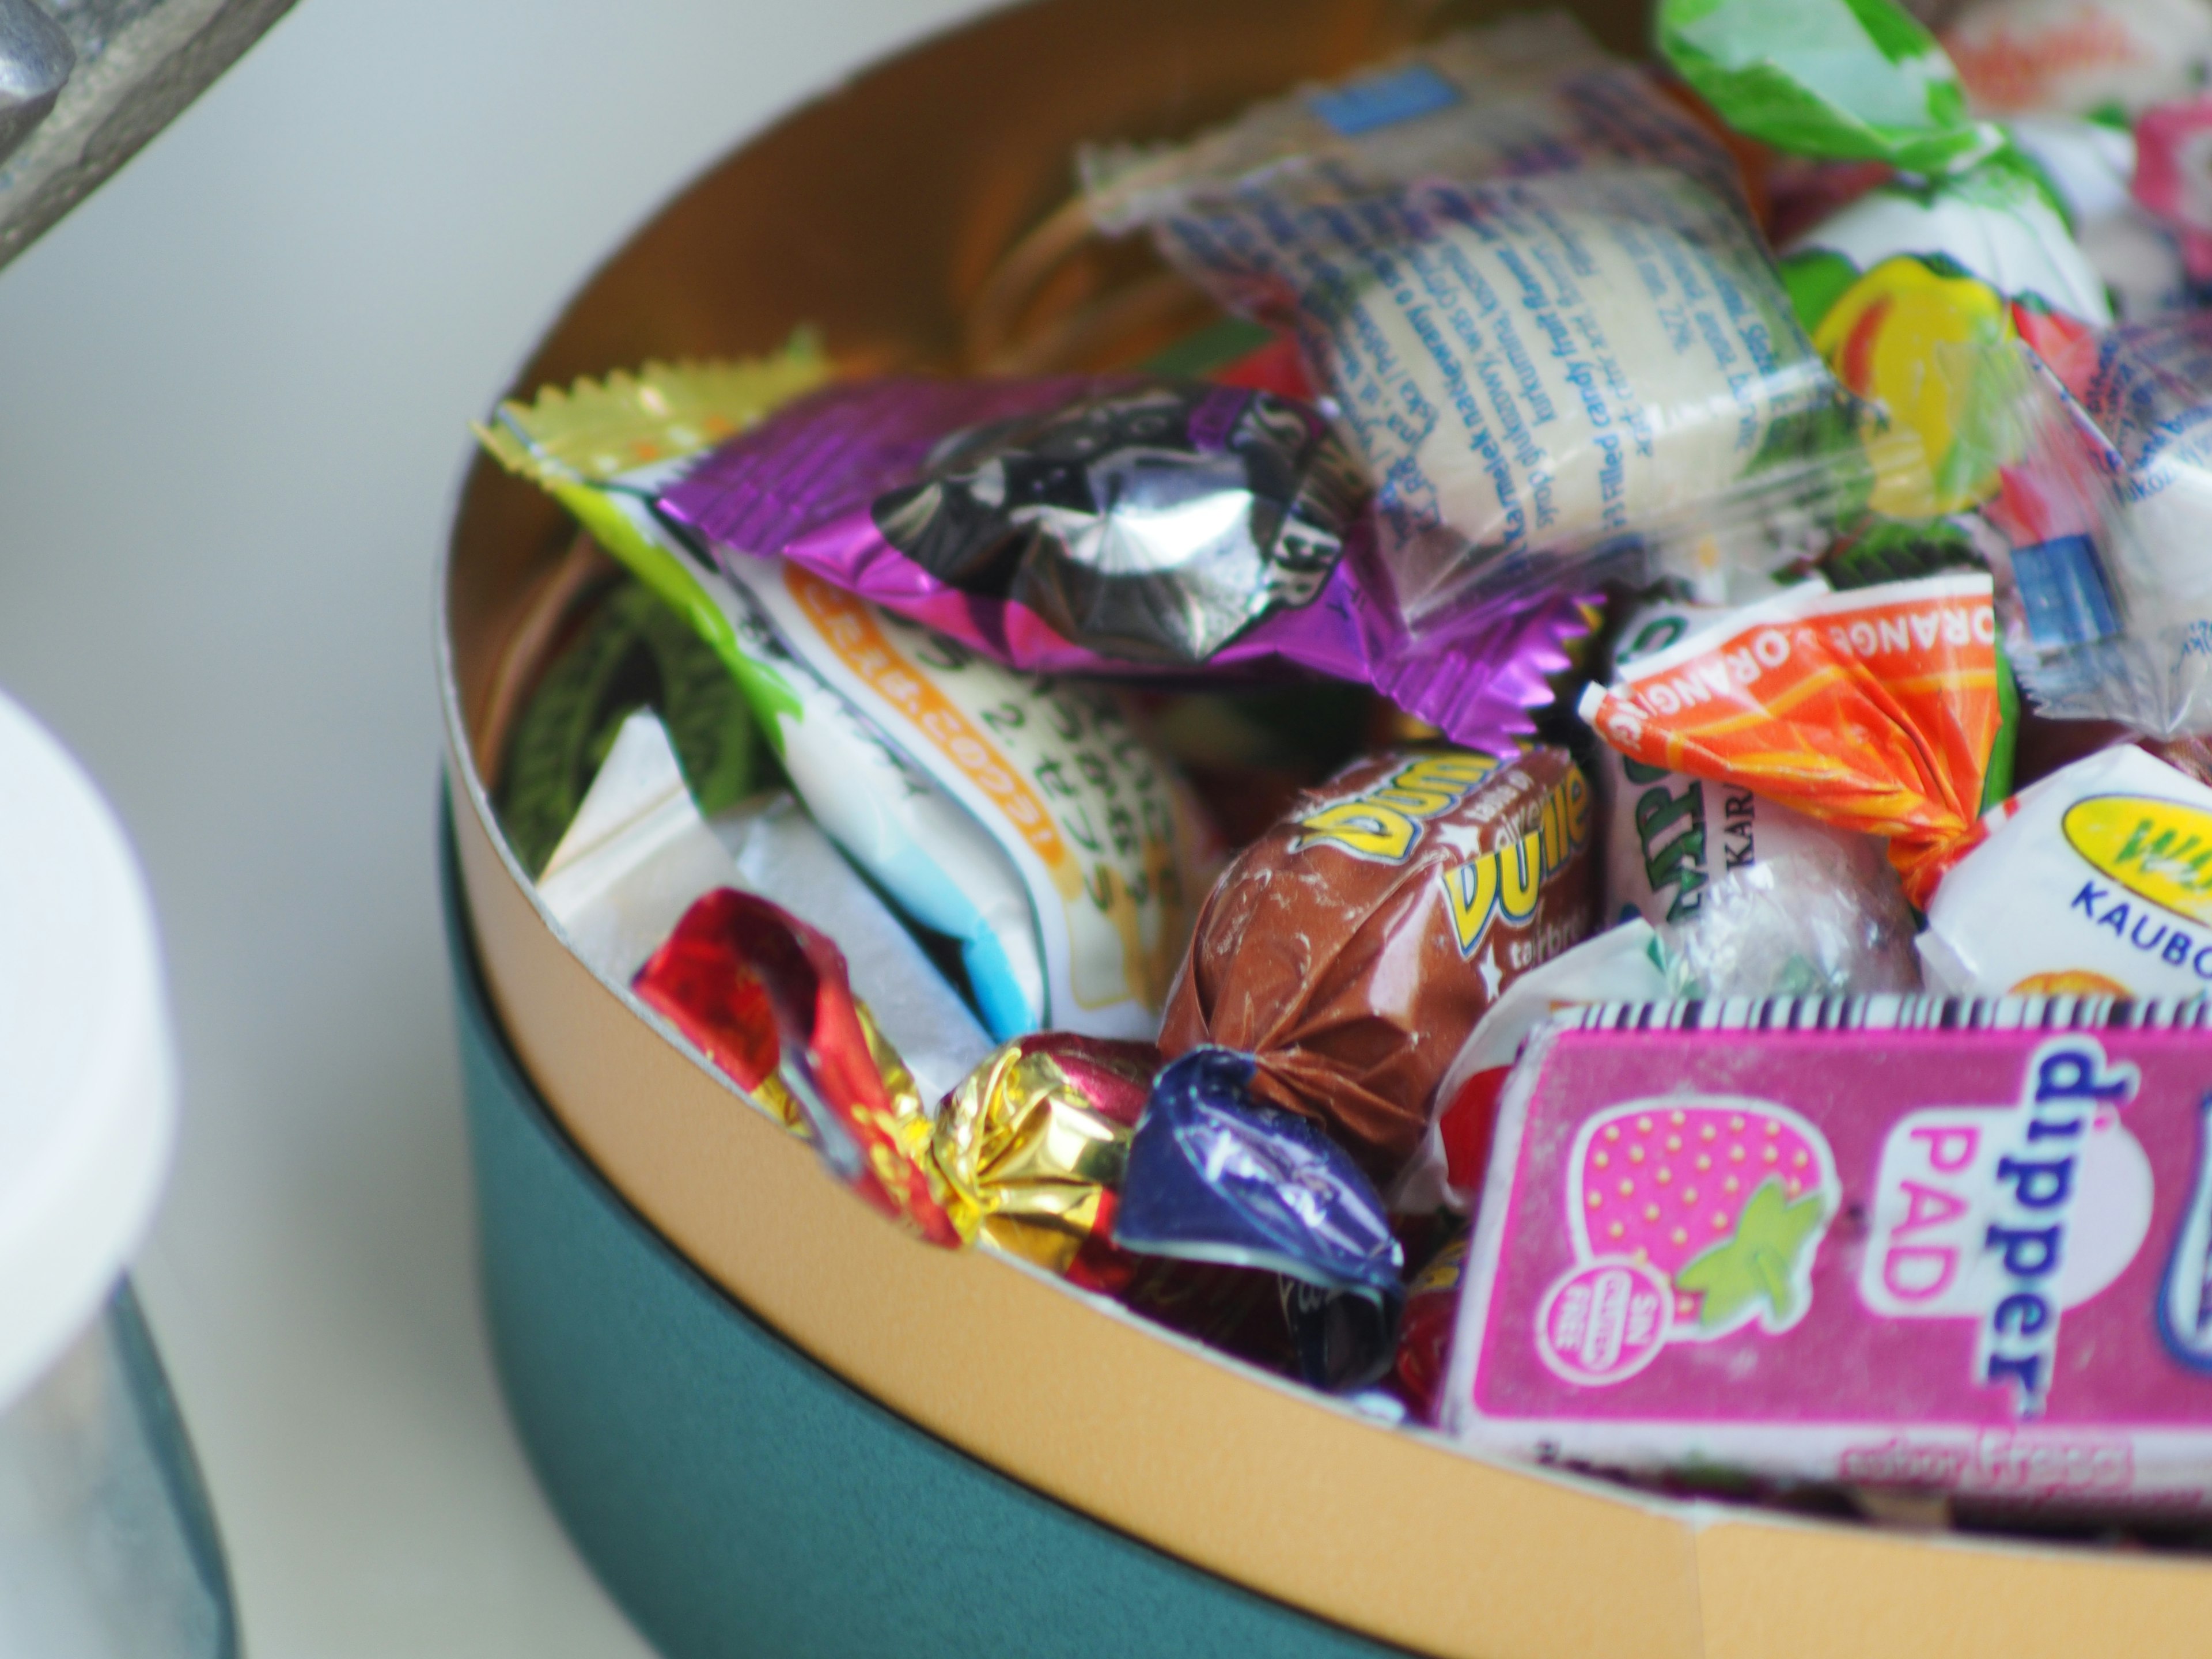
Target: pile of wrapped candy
(1582, 821)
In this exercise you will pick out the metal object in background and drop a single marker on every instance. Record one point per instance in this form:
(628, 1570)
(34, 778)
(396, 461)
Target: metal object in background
(83, 83)
(35, 61)
(107, 1547)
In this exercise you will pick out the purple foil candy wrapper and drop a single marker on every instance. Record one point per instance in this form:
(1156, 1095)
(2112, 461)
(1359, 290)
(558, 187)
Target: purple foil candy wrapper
(1119, 525)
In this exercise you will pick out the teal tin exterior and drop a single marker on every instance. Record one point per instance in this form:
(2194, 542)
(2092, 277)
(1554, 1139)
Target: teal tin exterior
(736, 1498)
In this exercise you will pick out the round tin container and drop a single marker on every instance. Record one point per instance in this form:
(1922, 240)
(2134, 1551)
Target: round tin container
(776, 1423)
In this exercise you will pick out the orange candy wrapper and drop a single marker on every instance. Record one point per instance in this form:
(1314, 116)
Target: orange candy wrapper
(1874, 709)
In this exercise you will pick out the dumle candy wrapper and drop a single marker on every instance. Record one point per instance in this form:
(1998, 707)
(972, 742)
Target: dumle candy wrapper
(1351, 949)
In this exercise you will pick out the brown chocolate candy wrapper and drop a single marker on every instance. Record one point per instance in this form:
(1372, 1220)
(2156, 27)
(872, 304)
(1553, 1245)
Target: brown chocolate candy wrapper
(1351, 948)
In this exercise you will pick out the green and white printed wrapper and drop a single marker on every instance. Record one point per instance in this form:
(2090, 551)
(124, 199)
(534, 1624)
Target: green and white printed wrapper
(1021, 818)
(1846, 80)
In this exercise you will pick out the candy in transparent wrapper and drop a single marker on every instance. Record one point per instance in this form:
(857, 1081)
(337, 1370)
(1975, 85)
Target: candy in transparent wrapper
(1525, 94)
(1970, 250)
(2108, 600)
(1809, 920)
(2086, 58)
(1750, 898)
(1541, 343)
(1536, 368)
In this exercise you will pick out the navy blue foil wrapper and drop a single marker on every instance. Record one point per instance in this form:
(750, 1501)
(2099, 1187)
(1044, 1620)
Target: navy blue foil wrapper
(1215, 1177)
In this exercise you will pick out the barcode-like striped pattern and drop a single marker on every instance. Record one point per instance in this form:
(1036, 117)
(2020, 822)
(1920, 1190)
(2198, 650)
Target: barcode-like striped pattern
(1901, 1013)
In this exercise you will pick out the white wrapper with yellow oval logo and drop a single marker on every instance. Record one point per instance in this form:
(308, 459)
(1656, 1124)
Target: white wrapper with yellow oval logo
(2098, 882)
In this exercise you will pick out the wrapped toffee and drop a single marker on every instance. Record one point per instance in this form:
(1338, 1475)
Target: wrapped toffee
(1351, 949)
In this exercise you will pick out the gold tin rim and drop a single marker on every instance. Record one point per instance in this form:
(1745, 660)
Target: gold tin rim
(1383, 1531)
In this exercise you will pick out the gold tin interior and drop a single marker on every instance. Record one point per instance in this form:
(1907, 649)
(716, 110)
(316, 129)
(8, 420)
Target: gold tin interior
(876, 215)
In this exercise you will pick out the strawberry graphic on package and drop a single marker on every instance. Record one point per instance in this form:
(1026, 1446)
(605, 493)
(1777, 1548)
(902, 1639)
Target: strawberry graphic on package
(1694, 1217)
(1721, 1200)
(1905, 1242)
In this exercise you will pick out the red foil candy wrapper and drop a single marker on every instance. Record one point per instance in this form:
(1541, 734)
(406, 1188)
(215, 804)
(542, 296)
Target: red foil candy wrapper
(1351, 949)
(766, 998)
(1424, 1333)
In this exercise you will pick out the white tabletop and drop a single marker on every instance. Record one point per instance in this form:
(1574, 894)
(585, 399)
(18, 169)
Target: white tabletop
(233, 387)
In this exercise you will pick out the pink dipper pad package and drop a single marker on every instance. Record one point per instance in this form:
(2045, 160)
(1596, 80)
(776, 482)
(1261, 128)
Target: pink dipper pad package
(1914, 1243)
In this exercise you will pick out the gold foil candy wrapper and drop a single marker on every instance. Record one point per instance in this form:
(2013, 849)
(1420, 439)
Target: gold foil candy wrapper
(1029, 1149)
